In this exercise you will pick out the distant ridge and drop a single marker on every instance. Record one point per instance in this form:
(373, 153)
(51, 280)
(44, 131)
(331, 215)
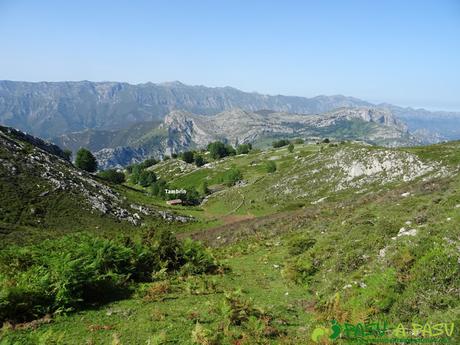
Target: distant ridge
(50, 109)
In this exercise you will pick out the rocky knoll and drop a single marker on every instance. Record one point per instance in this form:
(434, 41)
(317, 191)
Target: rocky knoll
(34, 176)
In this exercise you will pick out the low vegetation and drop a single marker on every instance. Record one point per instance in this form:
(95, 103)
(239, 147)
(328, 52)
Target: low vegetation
(74, 271)
(289, 241)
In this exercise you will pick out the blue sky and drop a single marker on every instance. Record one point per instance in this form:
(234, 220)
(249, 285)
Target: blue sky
(403, 52)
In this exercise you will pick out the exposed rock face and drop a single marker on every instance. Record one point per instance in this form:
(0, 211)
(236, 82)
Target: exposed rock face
(238, 126)
(353, 169)
(183, 130)
(119, 157)
(52, 109)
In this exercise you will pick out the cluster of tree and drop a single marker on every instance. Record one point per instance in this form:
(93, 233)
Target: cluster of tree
(284, 142)
(218, 149)
(280, 143)
(139, 175)
(112, 175)
(193, 157)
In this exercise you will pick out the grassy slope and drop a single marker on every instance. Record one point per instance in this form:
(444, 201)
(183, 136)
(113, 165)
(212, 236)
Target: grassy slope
(348, 276)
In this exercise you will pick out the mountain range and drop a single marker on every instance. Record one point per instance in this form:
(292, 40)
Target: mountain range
(124, 123)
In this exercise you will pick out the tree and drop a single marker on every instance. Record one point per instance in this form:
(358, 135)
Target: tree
(112, 175)
(187, 156)
(199, 161)
(68, 154)
(85, 160)
(146, 178)
(326, 141)
(299, 141)
(158, 188)
(280, 143)
(217, 150)
(135, 173)
(232, 176)
(243, 149)
(148, 163)
(230, 151)
(290, 148)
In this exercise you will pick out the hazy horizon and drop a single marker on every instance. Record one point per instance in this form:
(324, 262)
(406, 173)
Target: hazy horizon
(375, 102)
(403, 53)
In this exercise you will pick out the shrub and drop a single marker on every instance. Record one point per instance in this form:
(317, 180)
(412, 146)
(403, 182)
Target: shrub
(148, 163)
(146, 178)
(135, 173)
(301, 268)
(219, 150)
(236, 309)
(112, 175)
(204, 190)
(290, 148)
(199, 161)
(85, 160)
(230, 150)
(243, 148)
(280, 143)
(270, 166)
(232, 176)
(68, 273)
(300, 245)
(198, 259)
(187, 156)
(158, 188)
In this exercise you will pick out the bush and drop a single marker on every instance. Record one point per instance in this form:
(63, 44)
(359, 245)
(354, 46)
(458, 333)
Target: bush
(112, 175)
(204, 190)
(158, 188)
(135, 173)
(270, 166)
(148, 163)
(290, 148)
(230, 150)
(85, 160)
(68, 273)
(199, 161)
(300, 245)
(197, 258)
(187, 156)
(280, 143)
(147, 178)
(232, 176)
(243, 148)
(219, 150)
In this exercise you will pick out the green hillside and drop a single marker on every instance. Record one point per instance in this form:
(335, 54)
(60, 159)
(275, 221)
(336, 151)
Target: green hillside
(341, 231)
